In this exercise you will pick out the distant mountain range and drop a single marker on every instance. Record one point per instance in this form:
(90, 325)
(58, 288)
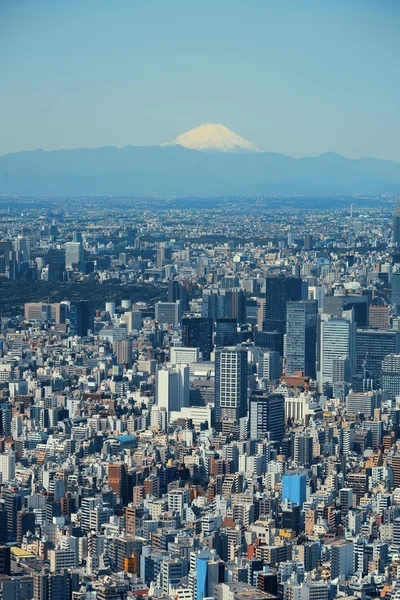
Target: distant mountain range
(209, 160)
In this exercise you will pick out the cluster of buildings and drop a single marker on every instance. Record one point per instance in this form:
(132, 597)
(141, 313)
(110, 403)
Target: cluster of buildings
(237, 438)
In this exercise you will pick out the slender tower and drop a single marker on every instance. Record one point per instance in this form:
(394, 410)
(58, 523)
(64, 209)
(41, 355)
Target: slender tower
(396, 224)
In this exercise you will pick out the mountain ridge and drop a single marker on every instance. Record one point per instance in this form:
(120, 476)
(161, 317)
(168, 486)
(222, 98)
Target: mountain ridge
(176, 170)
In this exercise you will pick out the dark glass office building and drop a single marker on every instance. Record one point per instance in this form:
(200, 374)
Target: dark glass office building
(267, 414)
(301, 337)
(279, 290)
(81, 318)
(197, 333)
(372, 347)
(226, 332)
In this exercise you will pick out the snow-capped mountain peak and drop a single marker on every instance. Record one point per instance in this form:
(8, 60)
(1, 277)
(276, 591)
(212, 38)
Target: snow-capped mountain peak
(213, 137)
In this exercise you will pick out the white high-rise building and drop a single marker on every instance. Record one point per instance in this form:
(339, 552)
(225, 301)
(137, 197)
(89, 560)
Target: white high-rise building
(73, 254)
(338, 340)
(7, 466)
(173, 387)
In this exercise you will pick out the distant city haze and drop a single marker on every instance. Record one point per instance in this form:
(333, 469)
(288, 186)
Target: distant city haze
(300, 77)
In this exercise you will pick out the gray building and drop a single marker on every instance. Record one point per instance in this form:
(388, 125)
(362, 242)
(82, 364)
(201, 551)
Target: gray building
(301, 337)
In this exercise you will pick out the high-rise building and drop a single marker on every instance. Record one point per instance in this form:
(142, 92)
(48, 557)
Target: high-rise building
(118, 481)
(12, 503)
(372, 347)
(390, 380)
(379, 317)
(168, 313)
(267, 414)
(172, 389)
(279, 290)
(301, 337)
(234, 305)
(123, 350)
(270, 365)
(23, 246)
(226, 332)
(178, 291)
(396, 224)
(303, 449)
(81, 318)
(231, 372)
(74, 255)
(197, 333)
(7, 466)
(338, 340)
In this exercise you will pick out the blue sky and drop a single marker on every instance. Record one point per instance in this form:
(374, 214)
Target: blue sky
(300, 77)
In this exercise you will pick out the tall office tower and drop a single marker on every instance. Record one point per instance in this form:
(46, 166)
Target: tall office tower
(379, 317)
(12, 504)
(118, 480)
(7, 466)
(390, 380)
(123, 350)
(74, 255)
(231, 371)
(168, 313)
(77, 236)
(396, 224)
(395, 286)
(212, 306)
(279, 290)
(5, 248)
(269, 340)
(81, 318)
(303, 449)
(172, 387)
(234, 305)
(177, 291)
(23, 245)
(335, 306)
(226, 332)
(301, 337)
(338, 340)
(267, 414)
(372, 347)
(270, 365)
(161, 257)
(197, 333)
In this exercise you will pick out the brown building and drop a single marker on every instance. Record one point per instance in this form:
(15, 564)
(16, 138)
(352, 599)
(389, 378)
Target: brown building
(118, 481)
(133, 519)
(379, 317)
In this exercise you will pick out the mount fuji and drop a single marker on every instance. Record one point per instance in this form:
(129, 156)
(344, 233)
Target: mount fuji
(213, 137)
(209, 160)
